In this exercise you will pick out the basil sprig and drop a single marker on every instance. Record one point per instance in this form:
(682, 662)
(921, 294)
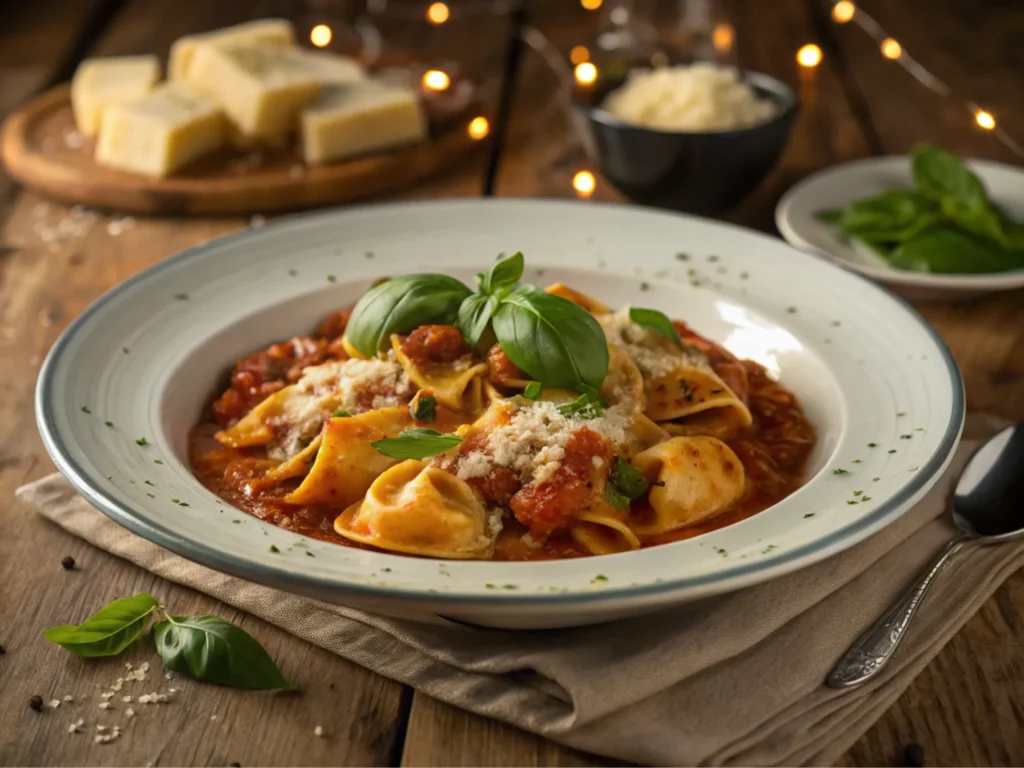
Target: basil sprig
(656, 322)
(216, 651)
(400, 305)
(625, 483)
(947, 224)
(108, 631)
(586, 406)
(203, 647)
(476, 311)
(416, 443)
(552, 340)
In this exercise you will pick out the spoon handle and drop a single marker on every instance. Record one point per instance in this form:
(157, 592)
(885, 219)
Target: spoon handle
(874, 648)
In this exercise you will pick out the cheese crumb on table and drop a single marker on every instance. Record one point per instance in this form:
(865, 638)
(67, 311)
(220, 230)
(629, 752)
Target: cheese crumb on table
(353, 119)
(261, 90)
(99, 84)
(319, 730)
(266, 33)
(160, 133)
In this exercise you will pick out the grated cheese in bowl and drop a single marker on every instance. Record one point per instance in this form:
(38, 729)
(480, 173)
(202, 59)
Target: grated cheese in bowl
(698, 97)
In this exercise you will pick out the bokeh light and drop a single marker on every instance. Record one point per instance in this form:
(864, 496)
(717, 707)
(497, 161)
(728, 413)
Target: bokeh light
(584, 183)
(479, 127)
(586, 73)
(437, 13)
(843, 11)
(320, 35)
(809, 55)
(436, 80)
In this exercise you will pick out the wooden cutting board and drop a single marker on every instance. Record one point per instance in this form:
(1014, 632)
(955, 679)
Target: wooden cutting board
(42, 150)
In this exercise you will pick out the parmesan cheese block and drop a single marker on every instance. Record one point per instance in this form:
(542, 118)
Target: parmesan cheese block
(328, 68)
(265, 33)
(261, 90)
(102, 83)
(349, 120)
(161, 132)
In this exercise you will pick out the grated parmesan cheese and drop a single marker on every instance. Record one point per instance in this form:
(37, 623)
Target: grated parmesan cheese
(651, 353)
(337, 384)
(533, 442)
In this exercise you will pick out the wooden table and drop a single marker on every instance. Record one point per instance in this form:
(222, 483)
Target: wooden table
(966, 708)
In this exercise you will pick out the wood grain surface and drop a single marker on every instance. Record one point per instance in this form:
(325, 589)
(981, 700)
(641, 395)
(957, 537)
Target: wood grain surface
(966, 708)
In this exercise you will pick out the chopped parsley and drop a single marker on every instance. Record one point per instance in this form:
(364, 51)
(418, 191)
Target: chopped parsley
(341, 413)
(157, 461)
(872, 445)
(332, 279)
(683, 256)
(424, 408)
(181, 296)
(85, 409)
(273, 549)
(840, 472)
(808, 514)
(142, 441)
(109, 424)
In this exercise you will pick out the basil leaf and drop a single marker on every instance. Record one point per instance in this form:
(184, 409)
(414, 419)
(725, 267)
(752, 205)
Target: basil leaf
(108, 631)
(939, 174)
(586, 406)
(474, 316)
(554, 341)
(532, 391)
(416, 443)
(505, 274)
(628, 479)
(341, 413)
(656, 322)
(950, 251)
(424, 408)
(615, 497)
(401, 304)
(890, 217)
(216, 651)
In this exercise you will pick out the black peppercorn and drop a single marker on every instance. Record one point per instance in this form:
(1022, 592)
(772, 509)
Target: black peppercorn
(914, 755)
(68, 563)
(36, 702)
(2, 650)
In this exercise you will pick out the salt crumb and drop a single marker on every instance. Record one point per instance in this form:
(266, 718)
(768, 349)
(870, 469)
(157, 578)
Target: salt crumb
(129, 712)
(213, 717)
(167, 675)
(319, 730)
(69, 697)
(127, 665)
(106, 695)
(144, 698)
(54, 703)
(172, 690)
(126, 699)
(100, 727)
(104, 705)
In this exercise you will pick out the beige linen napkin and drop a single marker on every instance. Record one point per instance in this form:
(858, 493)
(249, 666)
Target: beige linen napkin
(733, 680)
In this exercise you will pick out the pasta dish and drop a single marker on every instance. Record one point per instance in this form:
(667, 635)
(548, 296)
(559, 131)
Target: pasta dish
(508, 422)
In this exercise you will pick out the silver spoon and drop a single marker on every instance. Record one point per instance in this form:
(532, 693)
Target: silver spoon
(988, 508)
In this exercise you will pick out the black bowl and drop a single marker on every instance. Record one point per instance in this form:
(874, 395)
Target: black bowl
(699, 172)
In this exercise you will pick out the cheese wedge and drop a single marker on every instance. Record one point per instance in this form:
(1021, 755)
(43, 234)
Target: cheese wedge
(361, 117)
(160, 133)
(102, 83)
(265, 33)
(260, 89)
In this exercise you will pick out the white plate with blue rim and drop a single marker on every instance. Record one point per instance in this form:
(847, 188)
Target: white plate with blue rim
(835, 188)
(882, 390)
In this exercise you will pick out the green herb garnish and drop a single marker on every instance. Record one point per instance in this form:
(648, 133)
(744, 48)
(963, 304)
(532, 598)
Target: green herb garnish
(625, 483)
(424, 408)
(416, 443)
(532, 391)
(341, 413)
(656, 322)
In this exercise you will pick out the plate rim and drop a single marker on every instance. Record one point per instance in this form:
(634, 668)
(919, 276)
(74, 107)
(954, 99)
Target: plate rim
(716, 582)
(997, 281)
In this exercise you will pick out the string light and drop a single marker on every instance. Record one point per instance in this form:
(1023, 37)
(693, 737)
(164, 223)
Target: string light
(478, 128)
(320, 35)
(891, 49)
(436, 80)
(591, 5)
(586, 73)
(579, 54)
(584, 183)
(843, 11)
(437, 13)
(809, 56)
(722, 37)
(984, 119)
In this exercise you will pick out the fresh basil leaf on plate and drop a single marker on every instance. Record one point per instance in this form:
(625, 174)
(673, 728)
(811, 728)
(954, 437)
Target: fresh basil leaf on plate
(551, 339)
(951, 251)
(628, 479)
(424, 408)
(216, 651)
(939, 174)
(615, 497)
(400, 305)
(108, 631)
(656, 322)
(586, 406)
(504, 275)
(416, 443)
(532, 391)
(475, 315)
(890, 217)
